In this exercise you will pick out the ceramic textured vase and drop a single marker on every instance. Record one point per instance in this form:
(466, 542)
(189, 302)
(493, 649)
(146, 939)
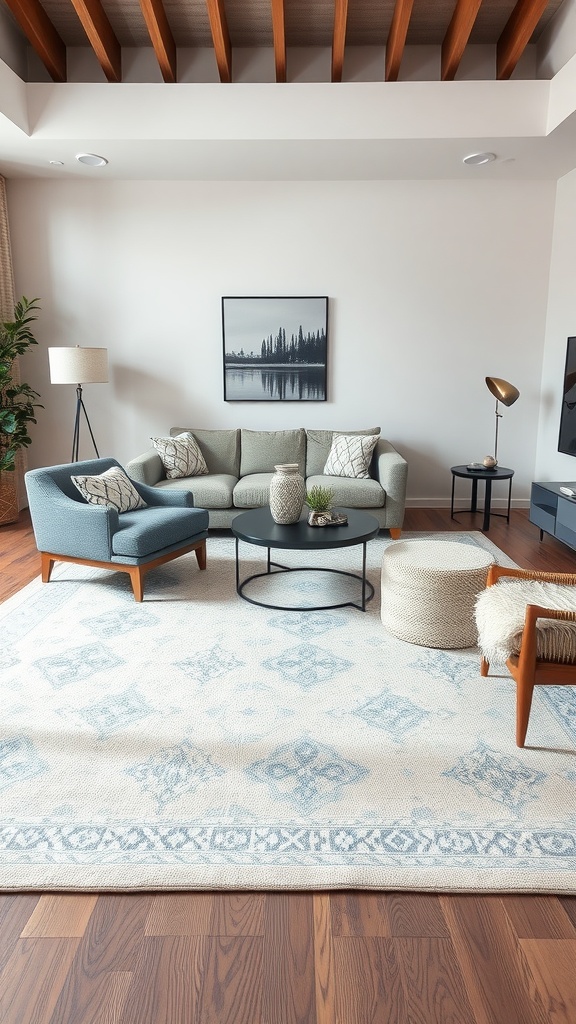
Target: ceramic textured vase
(286, 493)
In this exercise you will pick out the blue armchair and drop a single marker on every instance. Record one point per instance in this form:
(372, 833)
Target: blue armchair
(69, 529)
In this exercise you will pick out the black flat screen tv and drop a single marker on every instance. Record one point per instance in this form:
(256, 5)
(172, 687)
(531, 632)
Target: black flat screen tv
(567, 437)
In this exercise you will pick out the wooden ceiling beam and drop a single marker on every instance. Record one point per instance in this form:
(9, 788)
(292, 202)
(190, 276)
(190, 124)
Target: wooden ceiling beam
(279, 33)
(339, 38)
(41, 35)
(220, 38)
(397, 38)
(101, 37)
(161, 37)
(517, 34)
(457, 36)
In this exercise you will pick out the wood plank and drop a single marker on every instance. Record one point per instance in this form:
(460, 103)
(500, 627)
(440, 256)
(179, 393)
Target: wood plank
(232, 981)
(60, 916)
(32, 978)
(457, 36)
(356, 913)
(324, 971)
(397, 39)
(368, 983)
(220, 38)
(101, 37)
(238, 913)
(432, 982)
(279, 35)
(517, 34)
(415, 915)
(15, 910)
(41, 35)
(339, 38)
(184, 913)
(161, 37)
(496, 974)
(552, 963)
(165, 987)
(536, 917)
(288, 959)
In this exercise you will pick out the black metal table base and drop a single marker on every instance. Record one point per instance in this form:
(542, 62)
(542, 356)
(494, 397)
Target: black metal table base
(367, 588)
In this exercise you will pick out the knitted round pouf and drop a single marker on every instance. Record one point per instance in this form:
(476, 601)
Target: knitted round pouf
(429, 591)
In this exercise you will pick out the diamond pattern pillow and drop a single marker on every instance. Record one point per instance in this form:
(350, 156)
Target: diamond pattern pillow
(350, 455)
(180, 456)
(111, 488)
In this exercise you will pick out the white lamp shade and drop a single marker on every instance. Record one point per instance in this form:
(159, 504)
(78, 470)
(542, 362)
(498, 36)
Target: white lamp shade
(78, 365)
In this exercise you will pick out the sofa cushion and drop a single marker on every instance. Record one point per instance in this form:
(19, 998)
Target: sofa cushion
(180, 455)
(349, 492)
(319, 443)
(152, 529)
(350, 456)
(261, 450)
(212, 491)
(252, 491)
(111, 488)
(220, 448)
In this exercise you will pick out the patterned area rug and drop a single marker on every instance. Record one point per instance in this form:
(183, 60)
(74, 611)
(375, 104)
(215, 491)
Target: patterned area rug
(198, 741)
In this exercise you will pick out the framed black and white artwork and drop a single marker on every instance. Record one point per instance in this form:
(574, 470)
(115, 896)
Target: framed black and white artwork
(275, 348)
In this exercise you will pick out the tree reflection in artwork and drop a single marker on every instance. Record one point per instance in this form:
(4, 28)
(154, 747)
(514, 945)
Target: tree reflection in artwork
(275, 349)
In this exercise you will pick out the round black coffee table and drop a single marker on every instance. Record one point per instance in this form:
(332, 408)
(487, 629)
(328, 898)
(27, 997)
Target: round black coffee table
(258, 527)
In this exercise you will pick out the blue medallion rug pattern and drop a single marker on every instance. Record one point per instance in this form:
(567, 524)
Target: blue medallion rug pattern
(199, 741)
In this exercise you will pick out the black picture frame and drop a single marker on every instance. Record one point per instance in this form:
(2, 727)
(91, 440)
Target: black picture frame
(275, 348)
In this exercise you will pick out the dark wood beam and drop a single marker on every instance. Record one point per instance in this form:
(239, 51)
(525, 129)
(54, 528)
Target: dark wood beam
(279, 32)
(516, 35)
(339, 38)
(161, 37)
(41, 35)
(220, 38)
(397, 38)
(101, 37)
(457, 36)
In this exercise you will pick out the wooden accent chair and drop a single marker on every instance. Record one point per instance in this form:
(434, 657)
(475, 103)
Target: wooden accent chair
(69, 529)
(545, 657)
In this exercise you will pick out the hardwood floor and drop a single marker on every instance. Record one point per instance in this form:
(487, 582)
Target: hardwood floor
(290, 958)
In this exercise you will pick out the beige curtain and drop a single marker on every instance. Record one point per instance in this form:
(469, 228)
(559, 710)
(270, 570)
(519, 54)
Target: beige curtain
(7, 299)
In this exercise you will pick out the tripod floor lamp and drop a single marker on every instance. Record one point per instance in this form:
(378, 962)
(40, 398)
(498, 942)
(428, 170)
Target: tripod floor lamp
(79, 366)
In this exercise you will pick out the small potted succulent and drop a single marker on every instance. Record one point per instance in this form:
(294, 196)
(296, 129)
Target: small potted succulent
(319, 501)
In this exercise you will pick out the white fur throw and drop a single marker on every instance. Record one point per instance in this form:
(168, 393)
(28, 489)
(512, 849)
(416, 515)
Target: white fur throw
(500, 614)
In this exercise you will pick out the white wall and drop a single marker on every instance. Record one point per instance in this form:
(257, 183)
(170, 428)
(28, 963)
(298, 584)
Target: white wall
(561, 324)
(432, 286)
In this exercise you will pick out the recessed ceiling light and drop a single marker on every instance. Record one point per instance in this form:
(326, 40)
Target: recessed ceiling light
(56, 163)
(479, 158)
(91, 159)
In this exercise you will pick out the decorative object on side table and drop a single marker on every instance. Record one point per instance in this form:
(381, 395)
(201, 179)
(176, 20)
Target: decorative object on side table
(319, 501)
(506, 393)
(286, 493)
(17, 403)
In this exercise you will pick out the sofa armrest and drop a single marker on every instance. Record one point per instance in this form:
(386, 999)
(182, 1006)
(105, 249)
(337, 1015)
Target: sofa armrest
(391, 472)
(156, 496)
(146, 468)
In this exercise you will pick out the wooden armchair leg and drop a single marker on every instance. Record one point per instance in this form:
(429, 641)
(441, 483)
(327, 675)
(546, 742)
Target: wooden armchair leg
(524, 691)
(484, 666)
(201, 555)
(137, 580)
(47, 563)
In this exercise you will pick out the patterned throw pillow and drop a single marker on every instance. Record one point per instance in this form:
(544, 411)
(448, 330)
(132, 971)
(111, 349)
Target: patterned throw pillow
(112, 488)
(350, 455)
(180, 456)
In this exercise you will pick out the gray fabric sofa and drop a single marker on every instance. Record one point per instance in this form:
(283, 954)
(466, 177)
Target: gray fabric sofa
(241, 463)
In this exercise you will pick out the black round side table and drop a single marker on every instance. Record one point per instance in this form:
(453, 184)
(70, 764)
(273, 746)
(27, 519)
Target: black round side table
(488, 476)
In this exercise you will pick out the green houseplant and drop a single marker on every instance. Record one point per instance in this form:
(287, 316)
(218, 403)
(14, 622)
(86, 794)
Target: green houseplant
(17, 402)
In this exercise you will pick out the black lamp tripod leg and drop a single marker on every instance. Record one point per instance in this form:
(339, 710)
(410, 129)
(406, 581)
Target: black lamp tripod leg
(76, 437)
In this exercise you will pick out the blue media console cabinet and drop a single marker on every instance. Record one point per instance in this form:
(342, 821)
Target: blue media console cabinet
(553, 511)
